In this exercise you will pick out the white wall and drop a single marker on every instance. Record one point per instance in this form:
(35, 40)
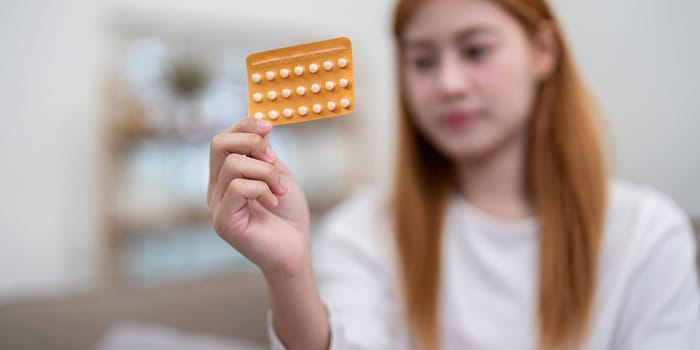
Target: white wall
(50, 57)
(642, 60)
(638, 56)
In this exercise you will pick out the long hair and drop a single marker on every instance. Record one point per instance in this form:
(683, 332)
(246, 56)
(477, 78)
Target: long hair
(566, 181)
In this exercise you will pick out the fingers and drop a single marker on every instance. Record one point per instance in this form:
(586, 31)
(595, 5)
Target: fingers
(251, 145)
(262, 127)
(239, 191)
(247, 137)
(240, 166)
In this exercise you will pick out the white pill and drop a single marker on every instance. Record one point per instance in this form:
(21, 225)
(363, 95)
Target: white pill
(284, 73)
(272, 114)
(299, 70)
(303, 110)
(331, 106)
(345, 103)
(258, 115)
(317, 108)
(342, 62)
(256, 78)
(287, 112)
(270, 75)
(257, 97)
(271, 95)
(301, 91)
(315, 88)
(286, 93)
(343, 83)
(313, 68)
(328, 65)
(330, 85)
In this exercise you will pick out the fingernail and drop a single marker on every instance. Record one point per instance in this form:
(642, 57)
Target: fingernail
(263, 124)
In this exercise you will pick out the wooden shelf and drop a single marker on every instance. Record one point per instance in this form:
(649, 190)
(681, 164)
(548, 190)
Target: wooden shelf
(161, 220)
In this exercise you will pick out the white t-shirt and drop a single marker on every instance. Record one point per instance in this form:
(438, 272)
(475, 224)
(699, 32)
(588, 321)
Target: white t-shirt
(647, 293)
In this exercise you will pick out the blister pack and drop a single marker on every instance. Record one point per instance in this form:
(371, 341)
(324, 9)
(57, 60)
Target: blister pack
(301, 83)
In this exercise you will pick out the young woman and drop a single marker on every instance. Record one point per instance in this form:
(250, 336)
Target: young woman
(503, 230)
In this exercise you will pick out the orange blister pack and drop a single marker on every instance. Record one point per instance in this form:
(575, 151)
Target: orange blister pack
(301, 83)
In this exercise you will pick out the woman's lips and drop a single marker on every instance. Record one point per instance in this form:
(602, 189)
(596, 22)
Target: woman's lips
(458, 121)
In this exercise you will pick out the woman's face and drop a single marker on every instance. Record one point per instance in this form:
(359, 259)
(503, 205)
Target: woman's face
(470, 75)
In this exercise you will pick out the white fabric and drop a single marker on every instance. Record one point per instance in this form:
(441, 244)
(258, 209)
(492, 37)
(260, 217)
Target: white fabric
(647, 295)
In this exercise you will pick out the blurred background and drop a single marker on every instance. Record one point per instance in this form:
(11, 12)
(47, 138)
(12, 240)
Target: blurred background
(108, 107)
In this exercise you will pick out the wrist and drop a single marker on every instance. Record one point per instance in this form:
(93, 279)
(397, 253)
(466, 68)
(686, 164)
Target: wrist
(294, 272)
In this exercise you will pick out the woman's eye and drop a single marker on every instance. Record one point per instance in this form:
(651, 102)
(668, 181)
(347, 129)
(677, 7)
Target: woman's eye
(475, 53)
(424, 63)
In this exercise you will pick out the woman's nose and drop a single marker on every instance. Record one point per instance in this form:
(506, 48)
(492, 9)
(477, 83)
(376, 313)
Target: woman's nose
(453, 77)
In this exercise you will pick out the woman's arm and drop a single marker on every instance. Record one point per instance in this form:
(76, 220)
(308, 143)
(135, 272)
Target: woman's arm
(355, 279)
(298, 315)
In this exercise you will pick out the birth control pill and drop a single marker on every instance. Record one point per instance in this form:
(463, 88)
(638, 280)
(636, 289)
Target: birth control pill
(303, 110)
(313, 68)
(272, 114)
(331, 106)
(317, 108)
(345, 103)
(328, 65)
(256, 78)
(284, 73)
(257, 97)
(270, 75)
(288, 112)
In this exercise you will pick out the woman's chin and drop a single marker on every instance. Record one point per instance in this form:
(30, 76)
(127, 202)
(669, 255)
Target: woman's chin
(461, 152)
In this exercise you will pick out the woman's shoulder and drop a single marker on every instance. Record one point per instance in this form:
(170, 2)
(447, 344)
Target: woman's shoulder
(643, 222)
(642, 206)
(648, 275)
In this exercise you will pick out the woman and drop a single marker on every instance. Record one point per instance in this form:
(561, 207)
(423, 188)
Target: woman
(503, 230)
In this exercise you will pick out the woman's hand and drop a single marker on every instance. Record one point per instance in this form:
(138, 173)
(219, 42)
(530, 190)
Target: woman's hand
(257, 207)
(255, 203)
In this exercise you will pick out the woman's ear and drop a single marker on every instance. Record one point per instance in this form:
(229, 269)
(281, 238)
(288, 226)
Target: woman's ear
(546, 50)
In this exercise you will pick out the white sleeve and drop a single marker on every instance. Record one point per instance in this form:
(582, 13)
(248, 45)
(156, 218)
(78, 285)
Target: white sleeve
(661, 309)
(338, 339)
(354, 281)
